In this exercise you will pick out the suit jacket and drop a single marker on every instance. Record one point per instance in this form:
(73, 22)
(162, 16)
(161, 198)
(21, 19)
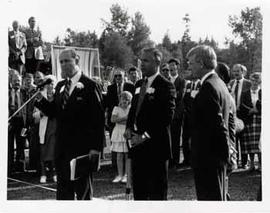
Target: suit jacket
(245, 86)
(210, 117)
(154, 117)
(246, 105)
(180, 85)
(19, 46)
(31, 45)
(80, 126)
(111, 99)
(11, 106)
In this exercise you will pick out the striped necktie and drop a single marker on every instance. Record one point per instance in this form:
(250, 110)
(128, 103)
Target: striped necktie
(236, 92)
(66, 92)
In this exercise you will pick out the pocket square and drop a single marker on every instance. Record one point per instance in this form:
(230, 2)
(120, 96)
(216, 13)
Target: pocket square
(79, 98)
(137, 91)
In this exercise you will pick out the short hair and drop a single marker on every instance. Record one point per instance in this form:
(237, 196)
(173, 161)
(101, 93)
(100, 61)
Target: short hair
(126, 95)
(52, 77)
(131, 69)
(165, 65)
(155, 52)
(32, 17)
(242, 67)
(28, 75)
(205, 54)
(255, 76)
(174, 60)
(223, 72)
(72, 52)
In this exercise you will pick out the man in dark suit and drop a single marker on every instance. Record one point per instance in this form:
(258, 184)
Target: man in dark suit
(239, 86)
(210, 117)
(78, 109)
(148, 129)
(17, 47)
(16, 124)
(34, 54)
(176, 125)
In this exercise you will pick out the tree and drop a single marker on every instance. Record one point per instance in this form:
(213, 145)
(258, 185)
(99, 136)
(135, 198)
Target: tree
(119, 22)
(186, 43)
(138, 36)
(81, 39)
(166, 42)
(248, 27)
(116, 51)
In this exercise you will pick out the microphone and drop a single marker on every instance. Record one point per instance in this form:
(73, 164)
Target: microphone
(45, 82)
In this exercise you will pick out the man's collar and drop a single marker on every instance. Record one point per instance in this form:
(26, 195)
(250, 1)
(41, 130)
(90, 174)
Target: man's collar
(206, 76)
(174, 77)
(76, 77)
(152, 78)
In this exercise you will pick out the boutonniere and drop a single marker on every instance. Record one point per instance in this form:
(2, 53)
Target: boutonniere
(150, 90)
(79, 85)
(62, 88)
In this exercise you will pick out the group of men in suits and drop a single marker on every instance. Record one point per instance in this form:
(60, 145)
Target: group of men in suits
(25, 48)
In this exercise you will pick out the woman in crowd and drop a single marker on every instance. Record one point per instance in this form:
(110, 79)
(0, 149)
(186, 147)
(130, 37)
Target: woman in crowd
(250, 112)
(47, 133)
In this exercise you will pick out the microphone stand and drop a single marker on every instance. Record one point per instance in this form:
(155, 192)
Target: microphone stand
(20, 108)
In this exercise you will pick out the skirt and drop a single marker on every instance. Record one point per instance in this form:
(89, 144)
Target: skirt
(251, 136)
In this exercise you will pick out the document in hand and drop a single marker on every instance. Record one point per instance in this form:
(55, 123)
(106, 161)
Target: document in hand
(81, 166)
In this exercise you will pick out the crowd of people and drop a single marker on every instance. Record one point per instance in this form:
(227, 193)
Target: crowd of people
(152, 114)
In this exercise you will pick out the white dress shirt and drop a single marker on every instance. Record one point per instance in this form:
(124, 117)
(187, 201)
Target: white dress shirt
(74, 81)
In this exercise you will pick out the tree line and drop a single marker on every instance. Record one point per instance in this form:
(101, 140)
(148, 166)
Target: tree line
(124, 36)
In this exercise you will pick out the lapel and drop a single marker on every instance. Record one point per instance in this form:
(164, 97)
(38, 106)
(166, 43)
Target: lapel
(75, 91)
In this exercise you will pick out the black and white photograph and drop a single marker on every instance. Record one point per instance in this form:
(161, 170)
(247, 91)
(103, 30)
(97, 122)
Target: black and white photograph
(134, 106)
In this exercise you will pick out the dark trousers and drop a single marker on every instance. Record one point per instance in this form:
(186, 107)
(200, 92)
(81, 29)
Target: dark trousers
(175, 135)
(15, 64)
(186, 136)
(32, 65)
(211, 183)
(14, 134)
(34, 148)
(80, 189)
(149, 179)
(244, 157)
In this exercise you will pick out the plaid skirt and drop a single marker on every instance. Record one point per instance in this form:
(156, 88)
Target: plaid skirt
(251, 136)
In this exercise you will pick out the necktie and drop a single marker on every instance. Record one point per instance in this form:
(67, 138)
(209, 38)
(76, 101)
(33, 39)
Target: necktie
(141, 95)
(198, 85)
(119, 91)
(236, 92)
(17, 101)
(66, 92)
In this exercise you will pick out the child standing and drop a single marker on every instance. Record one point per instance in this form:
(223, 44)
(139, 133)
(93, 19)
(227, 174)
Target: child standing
(119, 117)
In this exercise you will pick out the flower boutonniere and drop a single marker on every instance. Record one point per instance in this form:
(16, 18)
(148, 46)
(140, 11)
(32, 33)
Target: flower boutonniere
(62, 88)
(150, 90)
(79, 85)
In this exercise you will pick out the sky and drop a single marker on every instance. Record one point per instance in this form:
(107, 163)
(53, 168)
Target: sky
(162, 16)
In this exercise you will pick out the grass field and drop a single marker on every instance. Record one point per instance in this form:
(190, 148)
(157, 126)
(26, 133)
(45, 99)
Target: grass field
(243, 186)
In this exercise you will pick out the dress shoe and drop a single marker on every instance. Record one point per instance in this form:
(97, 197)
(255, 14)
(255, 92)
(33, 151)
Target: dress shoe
(117, 179)
(43, 179)
(124, 179)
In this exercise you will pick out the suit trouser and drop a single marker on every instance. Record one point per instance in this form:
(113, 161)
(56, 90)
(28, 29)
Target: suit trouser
(80, 189)
(186, 136)
(32, 65)
(14, 133)
(211, 183)
(176, 134)
(149, 179)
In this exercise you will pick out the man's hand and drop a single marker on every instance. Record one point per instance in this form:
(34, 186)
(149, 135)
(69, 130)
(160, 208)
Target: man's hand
(39, 96)
(127, 134)
(136, 139)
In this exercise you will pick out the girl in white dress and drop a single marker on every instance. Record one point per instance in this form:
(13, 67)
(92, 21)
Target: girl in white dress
(119, 117)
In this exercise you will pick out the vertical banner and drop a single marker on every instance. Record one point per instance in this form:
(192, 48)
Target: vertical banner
(89, 61)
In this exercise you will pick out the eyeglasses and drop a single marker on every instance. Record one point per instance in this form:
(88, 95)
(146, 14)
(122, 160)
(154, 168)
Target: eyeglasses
(65, 60)
(117, 76)
(165, 70)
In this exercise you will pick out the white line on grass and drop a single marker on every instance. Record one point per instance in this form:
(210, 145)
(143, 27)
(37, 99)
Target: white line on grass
(33, 185)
